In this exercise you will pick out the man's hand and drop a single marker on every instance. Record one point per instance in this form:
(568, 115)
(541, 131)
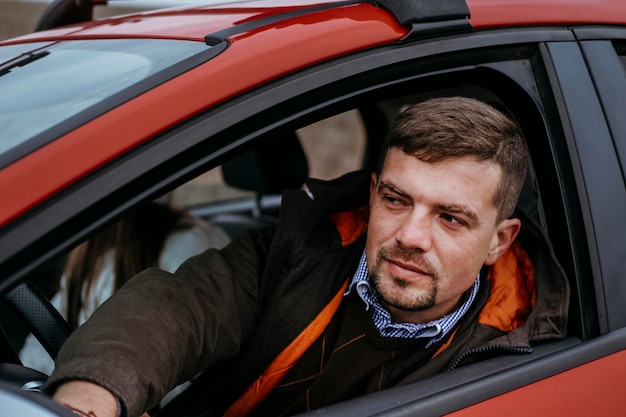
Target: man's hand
(86, 399)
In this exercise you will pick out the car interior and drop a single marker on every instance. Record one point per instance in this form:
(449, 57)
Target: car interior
(244, 193)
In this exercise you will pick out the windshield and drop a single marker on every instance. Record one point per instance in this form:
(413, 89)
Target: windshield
(41, 85)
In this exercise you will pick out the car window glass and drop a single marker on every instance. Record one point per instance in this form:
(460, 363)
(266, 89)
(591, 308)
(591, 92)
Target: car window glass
(39, 86)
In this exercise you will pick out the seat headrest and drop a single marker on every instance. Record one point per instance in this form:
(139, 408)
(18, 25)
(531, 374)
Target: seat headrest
(273, 166)
(376, 125)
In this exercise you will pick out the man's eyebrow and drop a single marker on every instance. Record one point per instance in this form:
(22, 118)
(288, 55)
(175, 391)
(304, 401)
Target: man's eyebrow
(448, 208)
(391, 188)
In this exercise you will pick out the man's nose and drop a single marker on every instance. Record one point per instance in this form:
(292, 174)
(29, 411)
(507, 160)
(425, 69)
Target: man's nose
(416, 231)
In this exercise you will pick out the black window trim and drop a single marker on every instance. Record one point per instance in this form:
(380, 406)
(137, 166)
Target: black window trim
(609, 79)
(591, 152)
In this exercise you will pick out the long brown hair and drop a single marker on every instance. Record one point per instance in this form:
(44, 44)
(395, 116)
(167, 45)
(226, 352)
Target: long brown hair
(136, 241)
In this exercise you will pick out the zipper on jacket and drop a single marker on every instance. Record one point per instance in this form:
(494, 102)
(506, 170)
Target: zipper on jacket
(486, 349)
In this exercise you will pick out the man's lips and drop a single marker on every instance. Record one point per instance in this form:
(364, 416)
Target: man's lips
(406, 270)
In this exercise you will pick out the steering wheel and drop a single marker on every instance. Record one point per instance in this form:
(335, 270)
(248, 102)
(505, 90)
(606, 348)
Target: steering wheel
(20, 386)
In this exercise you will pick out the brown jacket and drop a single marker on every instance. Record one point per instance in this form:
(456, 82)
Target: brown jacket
(232, 312)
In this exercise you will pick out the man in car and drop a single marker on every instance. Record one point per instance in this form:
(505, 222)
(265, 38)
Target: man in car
(366, 282)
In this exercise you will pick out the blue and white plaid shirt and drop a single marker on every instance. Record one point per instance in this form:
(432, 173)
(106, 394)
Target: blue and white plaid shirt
(435, 330)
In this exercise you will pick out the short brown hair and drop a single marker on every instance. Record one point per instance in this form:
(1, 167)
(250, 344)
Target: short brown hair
(448, 127)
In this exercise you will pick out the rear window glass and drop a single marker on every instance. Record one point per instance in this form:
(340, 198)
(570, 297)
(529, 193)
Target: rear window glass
(43, 85)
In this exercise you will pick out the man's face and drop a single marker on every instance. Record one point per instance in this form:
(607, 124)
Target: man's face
(432, 227)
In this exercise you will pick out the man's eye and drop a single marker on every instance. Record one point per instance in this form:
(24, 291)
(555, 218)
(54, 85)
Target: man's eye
(451, 219)
(392, 200)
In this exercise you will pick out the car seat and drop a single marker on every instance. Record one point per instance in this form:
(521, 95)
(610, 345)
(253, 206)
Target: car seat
(276, 164)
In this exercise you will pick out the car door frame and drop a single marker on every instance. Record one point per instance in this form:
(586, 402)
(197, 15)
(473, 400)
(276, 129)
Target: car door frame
(608, 74)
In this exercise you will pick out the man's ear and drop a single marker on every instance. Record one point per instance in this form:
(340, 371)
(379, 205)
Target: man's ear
(504, 235)
(373, 183)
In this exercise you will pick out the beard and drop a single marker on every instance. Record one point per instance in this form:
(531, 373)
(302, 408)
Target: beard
(394, 291)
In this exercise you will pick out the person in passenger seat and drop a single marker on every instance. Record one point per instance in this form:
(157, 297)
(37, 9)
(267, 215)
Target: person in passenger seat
(153, 235)
(369, 281)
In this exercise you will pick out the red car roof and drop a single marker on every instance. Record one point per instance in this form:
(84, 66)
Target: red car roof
(494, 13)
(193, 22)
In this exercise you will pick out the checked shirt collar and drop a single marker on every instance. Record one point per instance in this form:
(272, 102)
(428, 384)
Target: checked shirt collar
(435, 330)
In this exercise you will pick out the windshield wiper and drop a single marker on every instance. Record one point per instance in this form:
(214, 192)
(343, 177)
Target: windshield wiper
(27, 59)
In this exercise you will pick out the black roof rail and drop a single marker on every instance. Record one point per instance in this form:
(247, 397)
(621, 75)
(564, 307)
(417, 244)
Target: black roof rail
(65, 12)
(215, 38)
(427, 17)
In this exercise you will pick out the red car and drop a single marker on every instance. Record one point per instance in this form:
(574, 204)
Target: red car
(221, 107)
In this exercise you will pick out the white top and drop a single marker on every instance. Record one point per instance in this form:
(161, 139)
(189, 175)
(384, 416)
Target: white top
(178, 247)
